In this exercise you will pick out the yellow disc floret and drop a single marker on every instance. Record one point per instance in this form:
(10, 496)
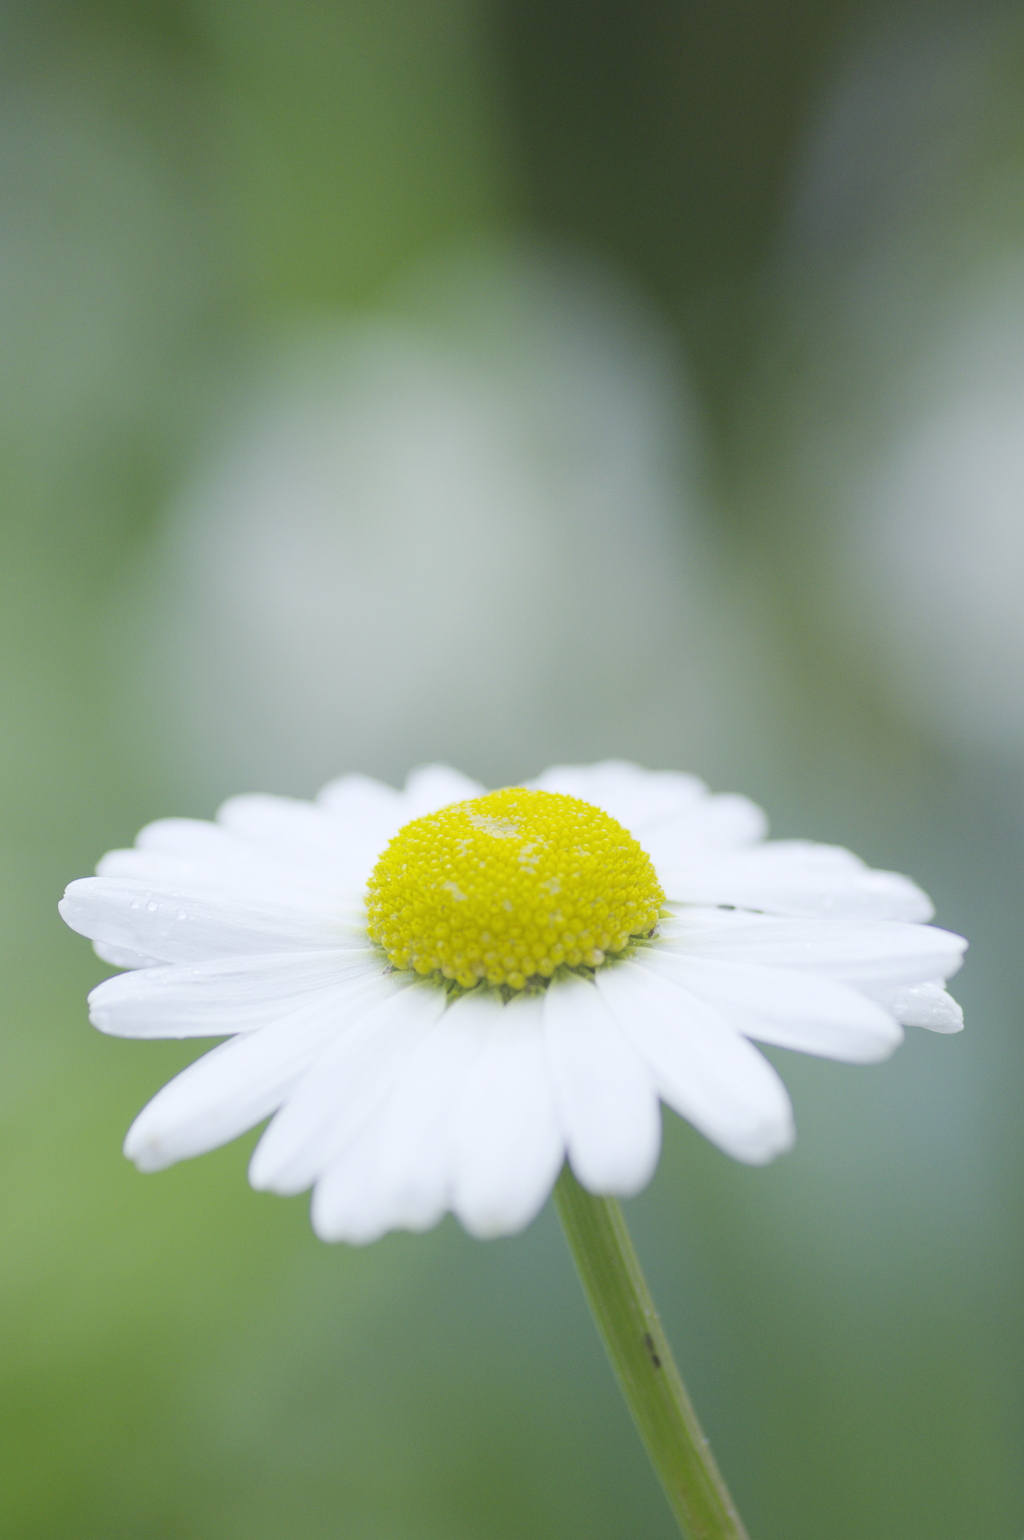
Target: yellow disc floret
(508, 887)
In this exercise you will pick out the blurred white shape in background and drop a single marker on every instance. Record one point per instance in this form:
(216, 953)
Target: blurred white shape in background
(935, 529)
(465, 531)
(894, 428)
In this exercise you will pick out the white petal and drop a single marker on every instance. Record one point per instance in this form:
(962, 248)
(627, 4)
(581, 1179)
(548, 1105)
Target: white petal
(333, 1103)
(233, 994)
(604, 1094)
(121, 957)
(187, 926)
(346, 1205)
(400, 1173)
(927, 1005)
(370, 810)
(230, 1089)
(635, 797)
(333, 850)
(359, 799)
(721, 822)
(795, 877)
(238, 874)
(184, 852)
(782, 1006)
(702, 1068)
(161, 869)
(509, 1148)
(876, 955)
(435, 786)
(196, 844)
(191, 839)
(672, 815)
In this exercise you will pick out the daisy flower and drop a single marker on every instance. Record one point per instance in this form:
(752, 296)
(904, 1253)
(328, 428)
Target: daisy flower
(437, 995)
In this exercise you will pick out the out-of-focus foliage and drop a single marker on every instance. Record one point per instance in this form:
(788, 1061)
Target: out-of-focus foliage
(504, 383)
(886, 422)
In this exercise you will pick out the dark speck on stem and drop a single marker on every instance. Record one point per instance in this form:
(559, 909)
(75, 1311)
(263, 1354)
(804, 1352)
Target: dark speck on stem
(649, 1344)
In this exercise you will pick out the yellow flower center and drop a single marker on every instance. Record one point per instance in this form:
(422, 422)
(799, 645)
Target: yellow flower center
(508, 887)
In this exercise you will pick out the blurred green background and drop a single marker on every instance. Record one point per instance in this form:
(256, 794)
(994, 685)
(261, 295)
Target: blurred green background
(506, 383)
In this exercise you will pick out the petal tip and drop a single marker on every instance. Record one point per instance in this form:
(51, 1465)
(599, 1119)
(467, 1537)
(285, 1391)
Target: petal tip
(145, 1153)
(766, 1144)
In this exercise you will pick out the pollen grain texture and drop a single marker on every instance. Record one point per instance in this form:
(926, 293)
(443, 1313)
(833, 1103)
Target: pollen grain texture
(508, 887)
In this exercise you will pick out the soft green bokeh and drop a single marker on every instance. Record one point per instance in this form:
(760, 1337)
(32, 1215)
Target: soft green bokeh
(181, 1359)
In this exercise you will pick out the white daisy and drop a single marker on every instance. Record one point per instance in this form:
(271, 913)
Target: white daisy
(438, 994)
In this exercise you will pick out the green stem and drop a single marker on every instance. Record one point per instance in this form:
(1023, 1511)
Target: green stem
(642, 1359)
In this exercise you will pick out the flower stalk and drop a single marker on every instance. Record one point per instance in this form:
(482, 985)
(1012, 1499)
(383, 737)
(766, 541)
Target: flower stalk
(642, 1359)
